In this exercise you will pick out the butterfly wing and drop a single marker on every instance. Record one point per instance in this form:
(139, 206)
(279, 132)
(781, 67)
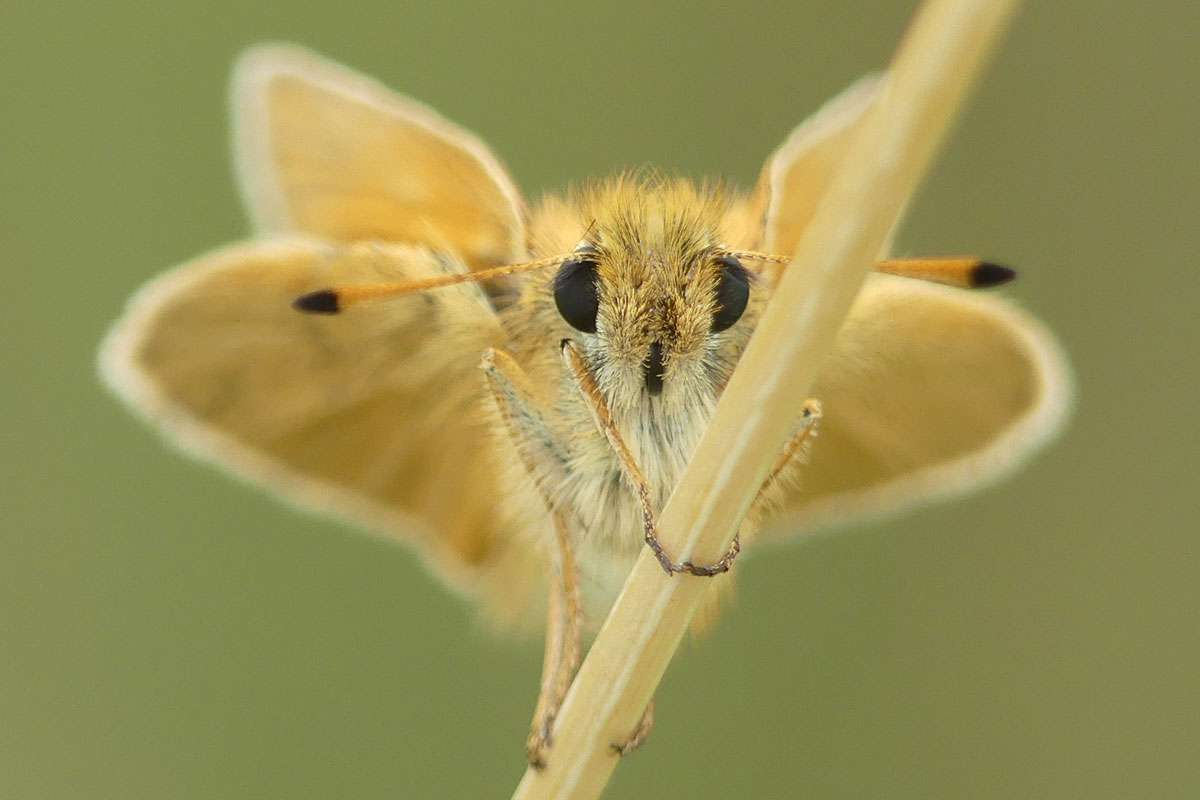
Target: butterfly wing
(326, 151)
(373, 414)
(930, 392)
(794, 179)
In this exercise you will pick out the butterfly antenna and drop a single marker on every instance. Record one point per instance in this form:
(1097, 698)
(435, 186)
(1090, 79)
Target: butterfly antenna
(339, 298)
(965, 272)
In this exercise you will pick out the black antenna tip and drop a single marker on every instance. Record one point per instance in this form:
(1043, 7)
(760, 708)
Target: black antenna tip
(989, 274)
(323, 302)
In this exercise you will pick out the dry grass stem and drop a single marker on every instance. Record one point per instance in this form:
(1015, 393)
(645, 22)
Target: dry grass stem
(939, 57)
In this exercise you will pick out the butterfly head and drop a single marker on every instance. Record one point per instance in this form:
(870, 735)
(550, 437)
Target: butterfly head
(652, 296)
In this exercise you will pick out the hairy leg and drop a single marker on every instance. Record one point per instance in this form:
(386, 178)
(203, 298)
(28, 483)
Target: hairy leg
(587, 387)
(640, 733)
(545, 463)
(809, 416)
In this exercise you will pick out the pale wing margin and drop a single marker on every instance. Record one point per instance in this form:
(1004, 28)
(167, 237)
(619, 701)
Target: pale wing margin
(930, 393)
(322, 149)
(371, 415)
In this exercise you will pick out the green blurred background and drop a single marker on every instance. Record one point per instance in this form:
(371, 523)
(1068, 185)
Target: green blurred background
(167, 632)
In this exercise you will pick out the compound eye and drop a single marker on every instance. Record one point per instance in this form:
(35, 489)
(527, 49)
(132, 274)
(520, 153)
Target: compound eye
(733, 293)
(575, 293)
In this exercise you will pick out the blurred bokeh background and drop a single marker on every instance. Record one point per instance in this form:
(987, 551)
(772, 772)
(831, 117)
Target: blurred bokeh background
(167, 632)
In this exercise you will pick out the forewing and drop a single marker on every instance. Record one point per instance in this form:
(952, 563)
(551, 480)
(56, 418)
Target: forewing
(373, 414)
(796, 176)
(323, 150)
(930, 392)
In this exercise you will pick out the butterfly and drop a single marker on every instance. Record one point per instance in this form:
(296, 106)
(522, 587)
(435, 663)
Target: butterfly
(514, 388)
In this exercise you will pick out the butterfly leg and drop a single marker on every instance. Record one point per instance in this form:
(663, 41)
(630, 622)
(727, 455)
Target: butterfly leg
(545, 463)
(586, 384)
(810, 416)
(640, 733)
(563, 650)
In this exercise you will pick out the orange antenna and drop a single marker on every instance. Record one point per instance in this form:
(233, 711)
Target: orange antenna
(966, 272)
(338, 298)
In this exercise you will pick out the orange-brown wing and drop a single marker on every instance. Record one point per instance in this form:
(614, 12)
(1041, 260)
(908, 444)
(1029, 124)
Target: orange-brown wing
(930, 392)
(373, 414)
(323, 150)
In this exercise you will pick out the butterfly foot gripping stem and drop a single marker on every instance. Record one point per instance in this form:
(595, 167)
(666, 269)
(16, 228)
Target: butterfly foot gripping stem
(538, 744)
(639, 735)
(810, 415)
(723, 564)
